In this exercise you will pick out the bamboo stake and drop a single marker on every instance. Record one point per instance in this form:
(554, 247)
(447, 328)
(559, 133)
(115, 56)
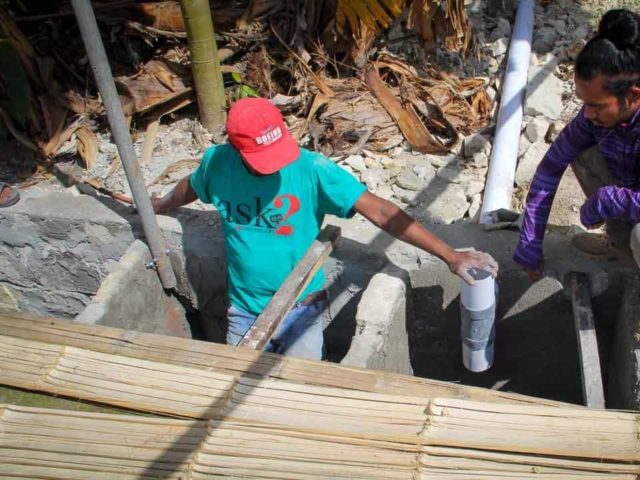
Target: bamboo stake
(205, 63)
(336, 415)
(240, 362)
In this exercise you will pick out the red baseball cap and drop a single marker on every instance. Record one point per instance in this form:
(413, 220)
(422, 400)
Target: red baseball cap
(257, 130)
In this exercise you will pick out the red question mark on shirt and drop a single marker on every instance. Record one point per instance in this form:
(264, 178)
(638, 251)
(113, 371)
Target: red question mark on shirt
(294, 206)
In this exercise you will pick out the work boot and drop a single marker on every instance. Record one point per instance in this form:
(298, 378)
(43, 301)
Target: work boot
(598, 246)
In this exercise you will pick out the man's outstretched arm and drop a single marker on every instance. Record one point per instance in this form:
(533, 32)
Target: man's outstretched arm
(397, 223)
(182, 194)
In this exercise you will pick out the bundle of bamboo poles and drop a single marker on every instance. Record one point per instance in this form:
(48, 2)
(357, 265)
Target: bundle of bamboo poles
(41, 443)
(266, 428)
(240, 362)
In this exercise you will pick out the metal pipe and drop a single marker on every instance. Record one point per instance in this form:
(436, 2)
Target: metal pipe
(107, 87)
(504, 156)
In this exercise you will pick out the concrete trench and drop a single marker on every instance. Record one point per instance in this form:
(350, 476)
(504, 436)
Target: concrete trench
(393, 307)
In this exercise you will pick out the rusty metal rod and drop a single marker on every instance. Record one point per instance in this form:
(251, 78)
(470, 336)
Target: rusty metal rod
(107, 87)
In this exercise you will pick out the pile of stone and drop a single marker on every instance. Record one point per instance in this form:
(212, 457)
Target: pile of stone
(448, 188)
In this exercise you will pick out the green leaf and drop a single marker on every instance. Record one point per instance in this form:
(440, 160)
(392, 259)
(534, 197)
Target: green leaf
(236, 76)
(247, 91)
(14, 97)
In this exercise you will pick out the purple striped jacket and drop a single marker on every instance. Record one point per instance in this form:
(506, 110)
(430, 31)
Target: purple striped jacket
(620, 147)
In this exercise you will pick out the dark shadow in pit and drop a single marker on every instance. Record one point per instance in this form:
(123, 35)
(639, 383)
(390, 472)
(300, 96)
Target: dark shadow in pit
(536, 349)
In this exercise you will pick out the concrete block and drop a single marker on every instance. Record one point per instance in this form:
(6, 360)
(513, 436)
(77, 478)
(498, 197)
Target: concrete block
(381, 340)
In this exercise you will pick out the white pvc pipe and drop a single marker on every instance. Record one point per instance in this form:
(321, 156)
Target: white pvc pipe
(504, 156)
(477, 321)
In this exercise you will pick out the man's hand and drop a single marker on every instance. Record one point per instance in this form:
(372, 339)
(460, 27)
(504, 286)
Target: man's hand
(156, 202)
(596, 226)
(182, 194)
(462, 262)
(535, 275)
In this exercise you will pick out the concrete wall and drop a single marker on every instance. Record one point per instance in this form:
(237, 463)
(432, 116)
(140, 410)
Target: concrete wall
(56, 250)
(132, 297)
(624, 380)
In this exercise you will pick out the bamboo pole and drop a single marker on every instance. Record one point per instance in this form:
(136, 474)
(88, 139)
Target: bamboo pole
(205, 63)
(44, 443)
(328, 414)
(240, 362)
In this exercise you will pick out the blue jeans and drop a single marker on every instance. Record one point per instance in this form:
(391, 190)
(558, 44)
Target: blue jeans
(299, 335)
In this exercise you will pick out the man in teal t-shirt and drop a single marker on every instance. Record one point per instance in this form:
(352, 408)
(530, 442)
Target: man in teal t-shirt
(273, 197)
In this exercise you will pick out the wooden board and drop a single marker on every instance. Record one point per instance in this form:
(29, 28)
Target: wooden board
(240, 362)
(591, 374)
(277, 309)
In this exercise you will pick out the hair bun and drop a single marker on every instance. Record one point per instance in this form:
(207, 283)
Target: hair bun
(621, 27)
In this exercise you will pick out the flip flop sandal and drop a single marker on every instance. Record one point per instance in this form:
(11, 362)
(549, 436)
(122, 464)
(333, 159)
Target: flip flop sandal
(11, 199)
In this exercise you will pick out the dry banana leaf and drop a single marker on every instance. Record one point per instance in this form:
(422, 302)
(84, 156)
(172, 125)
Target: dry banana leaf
(405, 115)
(87, 146)
(431, 21)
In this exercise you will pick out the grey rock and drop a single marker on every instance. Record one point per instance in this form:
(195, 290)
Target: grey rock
(424, 172)
(523, 145)
(373, 177)
(474, 208)
(549, 62)
(529, 163)
(439, 161)
(537, 129)
(581, 33)
(499, 47)
(493, 66)
(545, 38)
(349, 170)
(454, 175)
(398, 162)
(384, 191)
(356, 162)
(404, 195)
(544, 94)
(554, 130)
(560, 26)
(409, 180)
(480, 160)
(473, 187)
(444, 202)
(492, 94)
(372, 162)
(474, 144)
(504, 26)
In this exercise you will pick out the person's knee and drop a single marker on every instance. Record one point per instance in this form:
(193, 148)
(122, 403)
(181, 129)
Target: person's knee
(635, 243)
(304, 338)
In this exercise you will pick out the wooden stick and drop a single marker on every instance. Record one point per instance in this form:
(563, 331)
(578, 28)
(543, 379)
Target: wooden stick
(275, 312)
(149, 141)
(592, 388)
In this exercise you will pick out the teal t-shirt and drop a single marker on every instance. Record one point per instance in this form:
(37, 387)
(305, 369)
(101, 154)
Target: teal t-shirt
(269, 222)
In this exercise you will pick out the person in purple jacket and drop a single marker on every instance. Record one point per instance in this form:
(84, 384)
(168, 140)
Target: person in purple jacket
(602, 144)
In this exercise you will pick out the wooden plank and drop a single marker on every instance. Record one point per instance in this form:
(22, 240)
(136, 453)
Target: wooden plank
(239, 362)
(149, 141)
(277, 309)
(591, 374)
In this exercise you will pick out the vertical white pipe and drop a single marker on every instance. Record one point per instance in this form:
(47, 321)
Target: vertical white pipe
(504, 156)
(477, 321)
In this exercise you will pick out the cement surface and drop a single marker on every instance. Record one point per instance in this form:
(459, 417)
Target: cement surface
(536, 350)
